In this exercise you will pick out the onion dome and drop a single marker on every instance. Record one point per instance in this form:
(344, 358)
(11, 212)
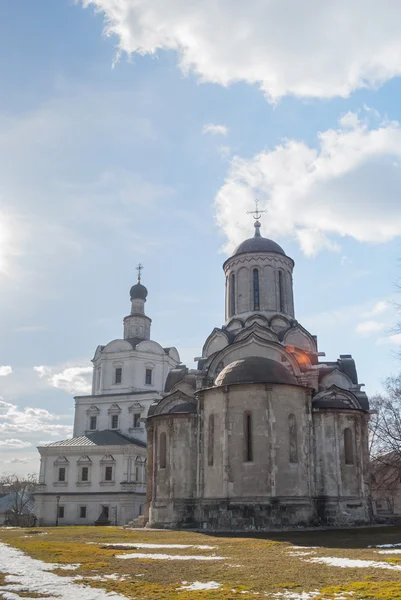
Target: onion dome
(255, 369)
(138, 292)
(258, 244)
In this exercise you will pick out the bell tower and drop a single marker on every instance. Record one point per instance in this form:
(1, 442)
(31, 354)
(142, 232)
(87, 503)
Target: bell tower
(137, 324)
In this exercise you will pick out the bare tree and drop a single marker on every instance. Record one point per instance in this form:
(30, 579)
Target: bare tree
(20, 490)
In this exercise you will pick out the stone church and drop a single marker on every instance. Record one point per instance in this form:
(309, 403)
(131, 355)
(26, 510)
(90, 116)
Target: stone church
(263, 433)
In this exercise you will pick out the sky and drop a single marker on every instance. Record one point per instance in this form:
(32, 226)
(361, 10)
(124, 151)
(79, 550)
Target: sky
(142, 131)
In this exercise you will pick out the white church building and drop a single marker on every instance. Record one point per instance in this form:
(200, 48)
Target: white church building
(101, 471)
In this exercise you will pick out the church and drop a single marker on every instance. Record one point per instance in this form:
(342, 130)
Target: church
(262, 434)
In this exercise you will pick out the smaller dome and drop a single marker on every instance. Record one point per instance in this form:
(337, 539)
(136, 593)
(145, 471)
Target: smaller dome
(255, 369)
(138, 292)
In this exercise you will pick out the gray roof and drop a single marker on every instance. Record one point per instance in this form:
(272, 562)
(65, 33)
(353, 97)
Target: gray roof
(258, 244)
(255, 369)
(186, 407)
(106, 437)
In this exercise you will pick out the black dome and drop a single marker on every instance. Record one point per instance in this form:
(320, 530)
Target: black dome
(255, 369)
(138, 291)
(258, 244)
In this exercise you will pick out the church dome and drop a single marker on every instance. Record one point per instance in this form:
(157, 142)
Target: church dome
(258, 244)
(255, 369)
(138, 292)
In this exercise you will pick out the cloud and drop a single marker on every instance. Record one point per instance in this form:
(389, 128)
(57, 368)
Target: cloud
(346, 186)
(394, 339)
(70, 379)
(378, 309)
(317, 49)
(30, 329)
(5, 370)
(368, 327)
(14, 443)
(215, 129)
(14, 461)
(30, 420)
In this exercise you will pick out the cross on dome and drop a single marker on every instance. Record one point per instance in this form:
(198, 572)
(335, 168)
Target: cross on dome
(139, 268)
(256, 215)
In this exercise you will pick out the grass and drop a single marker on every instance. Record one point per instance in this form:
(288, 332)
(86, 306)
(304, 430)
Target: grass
(260, 563)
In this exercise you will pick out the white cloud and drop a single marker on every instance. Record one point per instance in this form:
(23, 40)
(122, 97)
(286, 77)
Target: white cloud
(14, 443)
(14, 461)
(215, 129)
(368, 327)
(347, 186)
(379, 308)
(30, 420)
(394, 339)
(70, 379)
(315, 49)
(5, 370)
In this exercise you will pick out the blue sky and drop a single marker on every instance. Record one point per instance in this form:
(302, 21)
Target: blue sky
(106, 160)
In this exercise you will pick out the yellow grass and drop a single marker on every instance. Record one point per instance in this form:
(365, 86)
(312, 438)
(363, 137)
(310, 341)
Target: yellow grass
(253, 563)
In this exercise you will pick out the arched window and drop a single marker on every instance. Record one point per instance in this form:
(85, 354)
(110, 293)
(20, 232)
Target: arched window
(348, 447)
(256, 302)
(210, 441)
(280, 291)
(292, 432)
(162, 451)
(232, 295)
(248, 450)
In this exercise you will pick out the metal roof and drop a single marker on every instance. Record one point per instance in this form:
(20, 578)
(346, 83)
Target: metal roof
(99, 438)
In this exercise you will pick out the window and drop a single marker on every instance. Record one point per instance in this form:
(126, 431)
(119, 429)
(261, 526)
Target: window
(256, 289)
(348, 447)
(108, 474)
(280, 291)
(105, 511)
(118, 375)
(148, 377)
(231, 310)
(248, 454)
(292, 432)
(162, 451)
(82, 512)
(98, 378)
(61, 474)
(137, 478)
(137, 421)
(61, 512)
(92, 423)
(114, 421)
(210, 442)
(85, 474)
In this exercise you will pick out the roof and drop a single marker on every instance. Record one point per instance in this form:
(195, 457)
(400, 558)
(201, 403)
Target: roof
(186, 407)
(7, 502)
(258, 244)
(106, 437)
(255, 369)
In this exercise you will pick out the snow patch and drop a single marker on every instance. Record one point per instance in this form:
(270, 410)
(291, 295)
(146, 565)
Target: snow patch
(394, 551)
(28, 574)
(385, 546)
(197, 585)
(168, 556)
(352, 563)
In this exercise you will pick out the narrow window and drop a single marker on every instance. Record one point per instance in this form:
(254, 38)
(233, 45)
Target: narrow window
(248, 454)
(108, 474)
(292, 432)
(137, 421)
(148, 377)
(348, 447)
(118, 375)
(85, 474)
(136, 473)
(256, 302)
(105, 511)
(98, 378)
(92, 423)
(232, 295)
(280, 291)
(82, 512)
(61, 512)
(210, 442)
(61, 474)
(162, 451)
(114, 421)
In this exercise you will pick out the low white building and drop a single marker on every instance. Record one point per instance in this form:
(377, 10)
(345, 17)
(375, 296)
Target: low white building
(102, 469)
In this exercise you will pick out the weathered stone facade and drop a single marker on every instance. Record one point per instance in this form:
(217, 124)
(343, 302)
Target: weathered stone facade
(262, 435)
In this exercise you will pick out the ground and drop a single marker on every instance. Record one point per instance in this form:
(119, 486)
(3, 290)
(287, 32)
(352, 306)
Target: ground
(288, 565)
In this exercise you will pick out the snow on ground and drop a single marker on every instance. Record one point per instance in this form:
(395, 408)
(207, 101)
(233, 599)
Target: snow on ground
(197, 585)
(118, 546)
(168, 556)
(353, 563)
(289, 595)
(394, 551)
(31, 575)
(385, 546)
